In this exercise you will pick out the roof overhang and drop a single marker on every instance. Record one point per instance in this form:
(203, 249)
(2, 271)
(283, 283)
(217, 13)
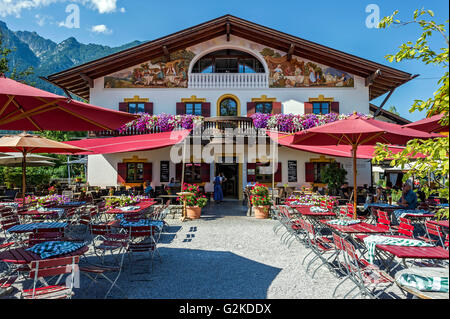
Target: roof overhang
(380, 78)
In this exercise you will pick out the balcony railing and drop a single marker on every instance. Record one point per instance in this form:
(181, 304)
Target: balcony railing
(228, 80)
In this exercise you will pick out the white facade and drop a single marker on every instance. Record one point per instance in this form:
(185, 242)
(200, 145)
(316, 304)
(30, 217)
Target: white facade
(102, 169)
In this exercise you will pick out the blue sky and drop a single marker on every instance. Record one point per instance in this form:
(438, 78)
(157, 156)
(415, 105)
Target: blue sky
(337, 24)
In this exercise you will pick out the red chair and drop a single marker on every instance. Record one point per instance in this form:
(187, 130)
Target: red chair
(351, 210)
(50, 268)
(383, 220)
(142, 241)
(433, 234)
(405, 227)
(370, 280)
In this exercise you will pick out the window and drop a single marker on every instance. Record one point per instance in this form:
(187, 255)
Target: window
(194, 108)
(228, 107)
(228, 61)
(135, 172)
(318, 167)
(321, 107)
(136, 108)
(263, 107)
(263, 172)
(192, 173)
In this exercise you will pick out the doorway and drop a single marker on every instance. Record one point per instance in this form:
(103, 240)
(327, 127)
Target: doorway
(231, 173)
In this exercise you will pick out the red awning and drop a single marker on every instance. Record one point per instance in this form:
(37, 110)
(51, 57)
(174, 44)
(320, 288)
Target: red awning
(130, 143)
(363, 152)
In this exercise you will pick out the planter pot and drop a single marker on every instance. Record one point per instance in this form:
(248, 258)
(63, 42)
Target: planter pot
(193, 212)
(261, 212)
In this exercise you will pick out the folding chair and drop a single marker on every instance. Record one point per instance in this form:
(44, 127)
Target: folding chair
(433, 234)
(339, 246)
(405, 228)
(104, 240)
(383, 220)
(320, 246)
(141, 241)
(112, 242)
(351, 210)
(50, 268)
(370, 280)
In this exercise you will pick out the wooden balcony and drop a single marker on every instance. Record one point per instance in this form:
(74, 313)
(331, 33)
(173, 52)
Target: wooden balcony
(228, 80)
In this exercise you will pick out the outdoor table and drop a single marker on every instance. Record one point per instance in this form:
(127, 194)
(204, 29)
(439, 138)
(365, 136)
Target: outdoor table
(22, 256)
(359, 228)
(143, 206)
(425, 272)
(31, 227)
(305, 211)
(407, 252)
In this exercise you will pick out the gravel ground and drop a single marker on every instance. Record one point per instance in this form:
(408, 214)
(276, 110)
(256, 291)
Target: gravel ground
(225, 254)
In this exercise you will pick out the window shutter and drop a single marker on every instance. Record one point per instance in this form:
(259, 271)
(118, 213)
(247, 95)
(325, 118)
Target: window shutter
(250, 108)
(276, 108)
(278, 174)
(251, 178)
(308, 107)
(123, 106)
(309, 172)
(148, 108)
(206, 109)
(205, 172)
(334, 107)
(148, 172)
(121, 173)
(181, 108)
(178, 171)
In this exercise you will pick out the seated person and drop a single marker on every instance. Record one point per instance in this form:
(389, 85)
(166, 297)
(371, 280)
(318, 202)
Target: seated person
(148, 190)
(345, 191)
(163, 190)
(381, 196)
(409, 198)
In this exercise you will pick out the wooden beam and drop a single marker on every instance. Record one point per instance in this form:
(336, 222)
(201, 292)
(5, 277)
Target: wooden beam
(290, 52)
(166, 53)
(66, 92)
(87, 79)
(228, 31)
(383, 103)
(372, 77)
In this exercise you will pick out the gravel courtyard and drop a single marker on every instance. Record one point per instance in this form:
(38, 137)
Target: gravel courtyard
(226, 254)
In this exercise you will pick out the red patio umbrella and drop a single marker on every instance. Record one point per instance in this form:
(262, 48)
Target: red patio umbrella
(355, 131)
(25, 143)
(23, 107)
(429, 124)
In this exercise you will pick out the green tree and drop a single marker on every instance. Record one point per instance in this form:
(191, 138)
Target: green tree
(14, 73)
(435, 164)
(393, 110)
(334, 176)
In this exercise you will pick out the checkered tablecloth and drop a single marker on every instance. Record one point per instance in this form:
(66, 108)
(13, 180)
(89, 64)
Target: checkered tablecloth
(55, 248)
(373, 240)
(316, 209)
(129, 208)
(381, 205)
(402, 212)
(343, 222)
(33, 226)
(142, 222)
(422, 283)
(60, 211)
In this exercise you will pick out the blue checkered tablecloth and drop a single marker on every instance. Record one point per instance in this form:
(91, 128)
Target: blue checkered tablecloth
(381, 205)
(33, 226)
(142, 222)
(55, 248)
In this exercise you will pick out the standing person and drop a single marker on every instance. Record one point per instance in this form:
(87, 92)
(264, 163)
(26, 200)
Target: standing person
(218, 193)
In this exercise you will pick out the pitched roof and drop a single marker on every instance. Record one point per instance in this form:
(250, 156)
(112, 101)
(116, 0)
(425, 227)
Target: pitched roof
(397, 119)
(381, 78)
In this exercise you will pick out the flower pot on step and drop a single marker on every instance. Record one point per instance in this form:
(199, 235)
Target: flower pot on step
(193, 212)
(261, 212)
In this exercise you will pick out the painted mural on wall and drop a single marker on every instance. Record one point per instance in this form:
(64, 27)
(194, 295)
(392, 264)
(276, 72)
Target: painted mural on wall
(284, 73)
(157, 73)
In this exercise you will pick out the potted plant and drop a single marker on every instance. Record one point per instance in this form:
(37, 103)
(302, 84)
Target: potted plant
(260, 201)
(194, 203)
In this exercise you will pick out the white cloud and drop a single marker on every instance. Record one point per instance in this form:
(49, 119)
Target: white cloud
(42, 20)
(15, 7)
(101, 28)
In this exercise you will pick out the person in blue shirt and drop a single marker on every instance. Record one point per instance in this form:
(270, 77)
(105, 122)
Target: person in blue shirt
(409, 198)
(148, 190)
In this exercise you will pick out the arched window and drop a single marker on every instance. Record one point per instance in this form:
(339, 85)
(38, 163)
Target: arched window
(228, 61)
(228, 107)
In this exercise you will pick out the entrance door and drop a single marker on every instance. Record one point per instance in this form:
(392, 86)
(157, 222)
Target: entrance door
(231, 173)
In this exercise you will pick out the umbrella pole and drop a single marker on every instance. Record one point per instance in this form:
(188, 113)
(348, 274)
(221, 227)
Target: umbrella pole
(355, 193)
(24, 175)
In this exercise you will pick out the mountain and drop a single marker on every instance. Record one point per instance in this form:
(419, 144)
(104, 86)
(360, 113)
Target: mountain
(47, 57)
